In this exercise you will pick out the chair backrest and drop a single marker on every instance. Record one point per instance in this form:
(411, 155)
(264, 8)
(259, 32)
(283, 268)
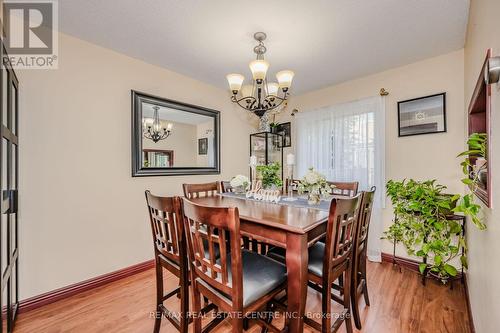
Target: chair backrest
(365, 212)
(345, 188)
(225, 186)
(293, 183)
(340, 232)
(166, 217)
(200, 190)
(206, 229)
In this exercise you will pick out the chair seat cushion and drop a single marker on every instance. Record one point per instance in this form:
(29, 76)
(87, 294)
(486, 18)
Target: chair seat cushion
(261, 275)
(316, 254)
(277, 253)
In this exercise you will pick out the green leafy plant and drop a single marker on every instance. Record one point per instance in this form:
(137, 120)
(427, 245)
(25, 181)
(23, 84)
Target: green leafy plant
(422, 225)
(477, 143)
(270, 175)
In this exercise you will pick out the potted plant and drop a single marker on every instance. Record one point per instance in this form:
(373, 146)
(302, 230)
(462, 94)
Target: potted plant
(474, 167)
(423, 227)
(274, 127)
(475, 164)
(315, 185)
(270, 175)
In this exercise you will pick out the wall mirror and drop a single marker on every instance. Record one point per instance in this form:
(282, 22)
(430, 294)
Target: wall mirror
(173, 138)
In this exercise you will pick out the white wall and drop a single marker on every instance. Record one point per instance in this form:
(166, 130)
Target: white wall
(420, 157)
(82, 214)
(484, 246)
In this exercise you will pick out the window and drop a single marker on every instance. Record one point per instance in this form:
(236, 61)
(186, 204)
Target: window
(346, 142)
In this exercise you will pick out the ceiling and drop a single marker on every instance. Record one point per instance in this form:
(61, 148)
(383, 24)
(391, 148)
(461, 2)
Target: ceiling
(324, 41)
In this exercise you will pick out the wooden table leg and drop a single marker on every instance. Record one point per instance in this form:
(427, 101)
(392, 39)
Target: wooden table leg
(296, 263)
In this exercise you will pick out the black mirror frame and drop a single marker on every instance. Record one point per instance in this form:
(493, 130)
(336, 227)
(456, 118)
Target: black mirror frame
(137, 169)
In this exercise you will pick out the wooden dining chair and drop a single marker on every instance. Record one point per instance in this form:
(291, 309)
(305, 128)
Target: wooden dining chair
(345, 188)
(359, 282)
(239, 282)
(248, 242)
(170, 253)
(225, 186)
(333, 259)
(200, 190)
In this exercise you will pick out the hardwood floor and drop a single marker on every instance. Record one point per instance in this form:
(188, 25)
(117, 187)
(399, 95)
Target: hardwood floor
(399, 303)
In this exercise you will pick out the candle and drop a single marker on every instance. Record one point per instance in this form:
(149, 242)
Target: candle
(290, 159)
(253, 160)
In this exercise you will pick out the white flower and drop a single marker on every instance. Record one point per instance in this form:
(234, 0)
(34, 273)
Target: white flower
(239, 181)
(312, 177)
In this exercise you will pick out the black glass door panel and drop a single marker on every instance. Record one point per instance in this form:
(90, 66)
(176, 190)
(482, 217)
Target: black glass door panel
(9, 180)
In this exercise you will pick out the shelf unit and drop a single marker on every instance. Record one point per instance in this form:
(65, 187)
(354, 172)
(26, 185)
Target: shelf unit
(479, 114)
(268, 148)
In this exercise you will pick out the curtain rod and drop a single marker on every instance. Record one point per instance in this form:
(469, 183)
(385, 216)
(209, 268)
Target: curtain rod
(383, 92)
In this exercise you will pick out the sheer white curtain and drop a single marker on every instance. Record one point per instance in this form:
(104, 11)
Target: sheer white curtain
(346, 142)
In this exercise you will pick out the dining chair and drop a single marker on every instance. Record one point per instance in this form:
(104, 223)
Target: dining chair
(247, 242)
(330, 260)
(359, 281)
(225, 186)
(345, 188)
(200, 190)
(170, 253)
(341, 188)
(239, 282)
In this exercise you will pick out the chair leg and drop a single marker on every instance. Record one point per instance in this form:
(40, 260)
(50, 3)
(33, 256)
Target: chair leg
(184, 295)
(326, 306)
(347, 299)
(269, 317)
(341, 284)
(196, 308)
(237, 325)
(246, 323)
(159, 296)
(355, 307)
(365, 284)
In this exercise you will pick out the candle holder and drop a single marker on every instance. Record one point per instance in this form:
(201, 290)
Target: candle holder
(289, 188)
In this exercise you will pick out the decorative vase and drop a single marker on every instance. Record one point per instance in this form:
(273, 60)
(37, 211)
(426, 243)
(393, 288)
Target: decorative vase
(264, 124)
(313, 198)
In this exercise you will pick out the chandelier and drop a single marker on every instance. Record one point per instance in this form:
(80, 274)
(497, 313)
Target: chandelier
(153, 129)
(261, 96)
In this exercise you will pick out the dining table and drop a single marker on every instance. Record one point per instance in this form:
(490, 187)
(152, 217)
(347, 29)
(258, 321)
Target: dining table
(293, 225)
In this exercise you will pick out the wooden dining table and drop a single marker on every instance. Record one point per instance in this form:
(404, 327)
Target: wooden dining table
(290, 227)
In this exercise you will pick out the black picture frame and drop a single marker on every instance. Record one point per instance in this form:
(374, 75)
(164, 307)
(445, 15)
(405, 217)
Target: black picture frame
(138, 170)
(202, 146)
(419, 125)
(285, 129)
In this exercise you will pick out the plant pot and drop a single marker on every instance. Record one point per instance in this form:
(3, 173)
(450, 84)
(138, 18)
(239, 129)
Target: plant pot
(313, 199)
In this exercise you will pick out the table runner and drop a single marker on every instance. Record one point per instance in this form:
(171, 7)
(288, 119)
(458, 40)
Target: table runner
(301, 202)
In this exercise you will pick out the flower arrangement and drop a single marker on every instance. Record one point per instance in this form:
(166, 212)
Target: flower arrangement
(239, 183)
(315, 185)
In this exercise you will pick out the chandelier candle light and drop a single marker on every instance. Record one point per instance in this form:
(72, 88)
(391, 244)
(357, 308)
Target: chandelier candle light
(262, 95)
(153, 129)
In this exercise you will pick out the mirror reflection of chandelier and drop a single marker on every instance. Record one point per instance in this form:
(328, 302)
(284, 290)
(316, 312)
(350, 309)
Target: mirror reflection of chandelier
(154, 129)
(261, 96)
